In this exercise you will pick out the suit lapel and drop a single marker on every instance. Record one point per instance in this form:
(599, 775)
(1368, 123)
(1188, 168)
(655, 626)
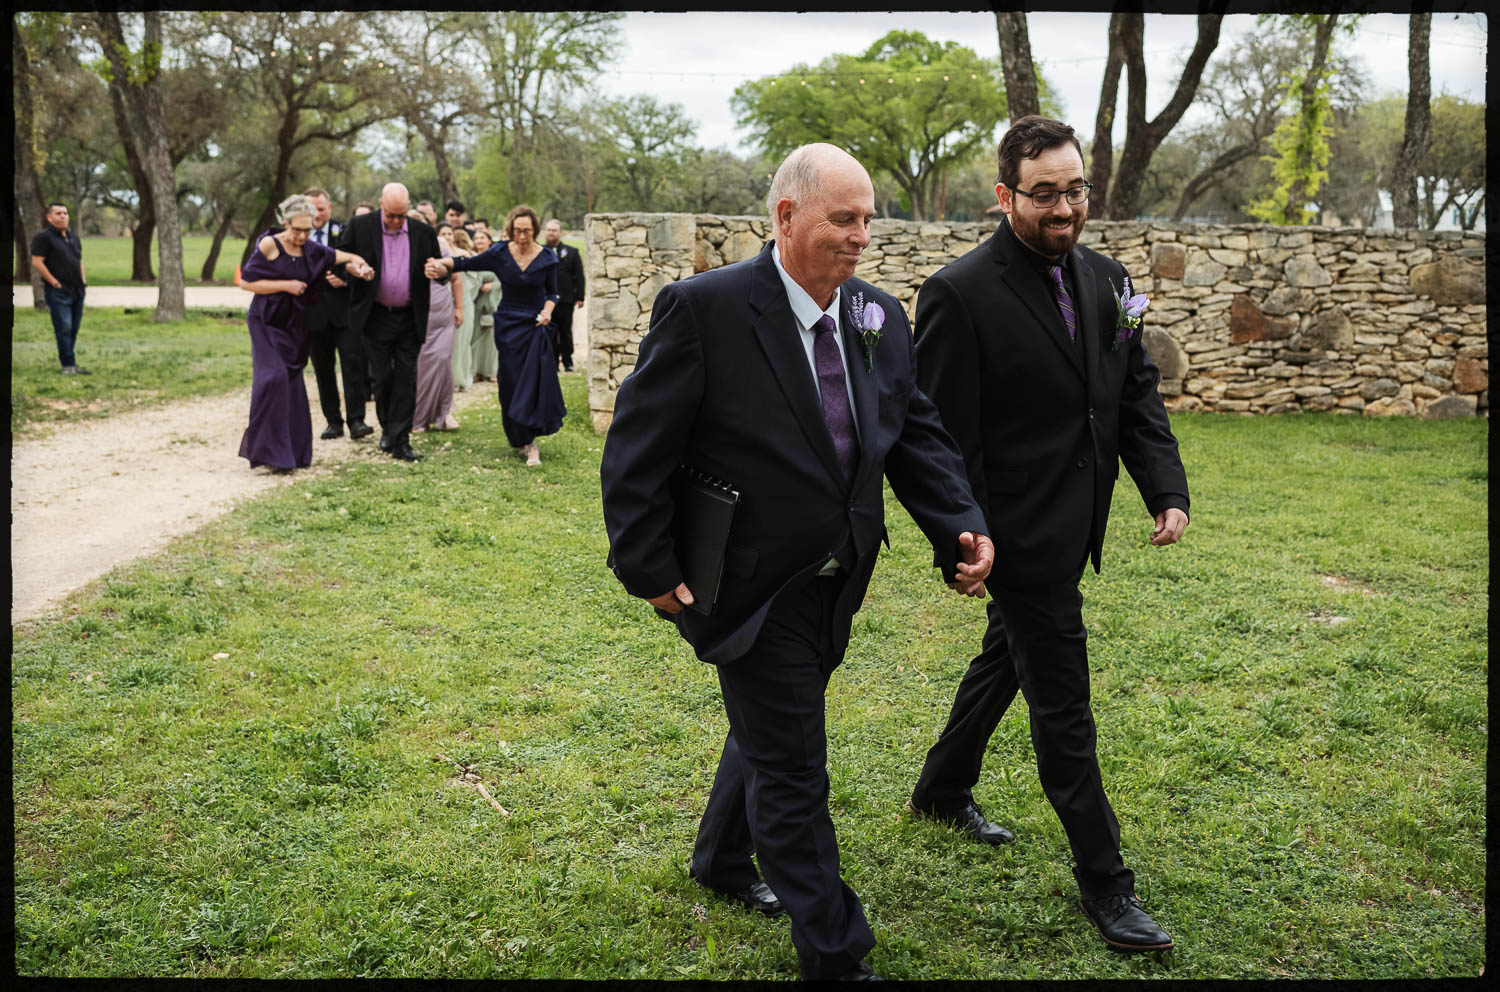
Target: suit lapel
(776, 329)
(1022, 280)
(1088, 314)
(863, 384)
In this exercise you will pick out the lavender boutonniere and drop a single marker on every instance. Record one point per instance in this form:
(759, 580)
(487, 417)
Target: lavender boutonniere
(1128, 309)
(869, 318)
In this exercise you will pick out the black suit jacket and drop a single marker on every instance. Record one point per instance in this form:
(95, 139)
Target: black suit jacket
(362, 236)
(723, 385)
(569, 275)
(1043, 422)
(330, 308)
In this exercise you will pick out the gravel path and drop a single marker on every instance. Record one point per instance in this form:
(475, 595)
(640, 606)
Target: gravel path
(89, 496)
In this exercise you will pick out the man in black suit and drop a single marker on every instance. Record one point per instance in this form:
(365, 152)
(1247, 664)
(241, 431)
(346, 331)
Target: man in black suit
(328, 332)
(1043, 382)
(390, 311)
(772, 374)
(569, 292)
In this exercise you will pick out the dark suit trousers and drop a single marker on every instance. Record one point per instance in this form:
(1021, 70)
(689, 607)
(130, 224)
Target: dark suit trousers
(322, 343)
(770, 794)
(1036, 642)
(391, 345)
(562, 332)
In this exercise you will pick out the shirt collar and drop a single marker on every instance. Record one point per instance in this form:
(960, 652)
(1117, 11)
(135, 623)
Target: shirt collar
(804, 307)
(388, 231)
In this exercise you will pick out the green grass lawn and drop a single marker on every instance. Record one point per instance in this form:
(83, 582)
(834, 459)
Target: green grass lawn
(135, 361)
(226, 758)
(106, 261)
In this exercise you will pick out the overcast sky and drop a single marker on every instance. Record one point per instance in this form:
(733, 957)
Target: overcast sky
(697, 59)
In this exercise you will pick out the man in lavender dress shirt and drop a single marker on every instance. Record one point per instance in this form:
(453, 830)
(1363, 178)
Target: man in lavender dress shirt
(390, 311)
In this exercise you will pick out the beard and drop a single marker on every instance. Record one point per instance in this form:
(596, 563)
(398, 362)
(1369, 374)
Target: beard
(1042, 237)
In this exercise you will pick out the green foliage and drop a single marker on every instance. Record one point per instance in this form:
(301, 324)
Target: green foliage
(874, 106)
(1300, 796)
(1299, 159)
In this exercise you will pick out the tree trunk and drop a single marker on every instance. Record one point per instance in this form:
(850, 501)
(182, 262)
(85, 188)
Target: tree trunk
(1299, 194)
(1015, 62)
(140, 251)
(1418, 135)
(141, 94)
(437, 145)
(1141, 136)
(1470, 217)
(278, 188)
(1211, 176)
(26, 183)
(1103, 153)
(212, 261)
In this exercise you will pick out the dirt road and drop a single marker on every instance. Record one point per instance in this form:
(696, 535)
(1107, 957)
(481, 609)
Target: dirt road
(92, 495)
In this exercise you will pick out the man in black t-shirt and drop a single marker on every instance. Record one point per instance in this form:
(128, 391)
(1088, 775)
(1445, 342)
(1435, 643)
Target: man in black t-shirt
(57, 256)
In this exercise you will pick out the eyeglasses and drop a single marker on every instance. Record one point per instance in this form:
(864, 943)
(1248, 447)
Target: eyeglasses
(1048, 197)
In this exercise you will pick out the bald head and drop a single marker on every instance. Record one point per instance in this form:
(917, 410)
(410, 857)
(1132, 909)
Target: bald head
(394, 202)
(801, 172)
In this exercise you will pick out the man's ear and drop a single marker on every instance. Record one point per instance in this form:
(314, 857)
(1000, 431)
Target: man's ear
(1006, 198)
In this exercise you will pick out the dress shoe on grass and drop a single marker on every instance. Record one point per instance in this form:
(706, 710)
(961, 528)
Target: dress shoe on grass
(969, 820)
(1123, 924)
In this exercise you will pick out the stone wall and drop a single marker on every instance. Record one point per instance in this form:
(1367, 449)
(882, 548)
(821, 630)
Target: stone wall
(1244, 318)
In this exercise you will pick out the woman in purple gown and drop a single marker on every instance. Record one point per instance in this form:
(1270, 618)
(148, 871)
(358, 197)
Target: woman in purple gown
(531, 401)
(285, 272)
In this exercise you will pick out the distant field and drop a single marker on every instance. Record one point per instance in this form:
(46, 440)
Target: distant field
(106, 261)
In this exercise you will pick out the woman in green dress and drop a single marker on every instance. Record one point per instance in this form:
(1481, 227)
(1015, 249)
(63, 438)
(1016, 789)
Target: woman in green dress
(475, 285)
(484, 356)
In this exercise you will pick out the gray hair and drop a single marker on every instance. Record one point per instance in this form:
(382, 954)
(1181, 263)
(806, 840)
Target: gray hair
(297, 205)
(795, 177)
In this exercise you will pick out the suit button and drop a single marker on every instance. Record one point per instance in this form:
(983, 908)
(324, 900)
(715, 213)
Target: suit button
(1083, 463)
(1091, 413)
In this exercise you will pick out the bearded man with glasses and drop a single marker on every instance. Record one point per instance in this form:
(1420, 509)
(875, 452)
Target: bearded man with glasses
(1030, 346)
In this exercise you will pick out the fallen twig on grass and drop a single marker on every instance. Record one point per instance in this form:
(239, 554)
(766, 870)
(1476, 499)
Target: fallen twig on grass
(467, 777)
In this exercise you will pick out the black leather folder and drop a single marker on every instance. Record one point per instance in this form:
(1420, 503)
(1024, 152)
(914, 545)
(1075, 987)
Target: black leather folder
(700, 530)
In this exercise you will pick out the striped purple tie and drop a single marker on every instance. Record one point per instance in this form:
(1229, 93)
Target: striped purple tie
(1064, 301)
(835, 393)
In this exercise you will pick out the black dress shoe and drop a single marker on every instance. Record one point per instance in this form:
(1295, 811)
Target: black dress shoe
(359, 429)
(860, 973)
(1123, 924)
(385, 442)
(332, 431)
(405, 453)
(758, 896)
(969, 820)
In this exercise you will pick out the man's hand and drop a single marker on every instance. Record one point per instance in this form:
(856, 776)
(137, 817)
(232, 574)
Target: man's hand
(334, 280)
(1170, 523)
(578, 305)
(978, 554)
(674, 600)
(434, 268)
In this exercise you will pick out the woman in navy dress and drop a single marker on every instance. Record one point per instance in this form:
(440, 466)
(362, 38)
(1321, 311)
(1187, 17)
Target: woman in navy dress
(531, 401)
(285, 272)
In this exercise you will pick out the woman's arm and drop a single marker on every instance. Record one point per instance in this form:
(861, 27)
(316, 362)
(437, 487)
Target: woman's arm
(354, 264)
(458, 302)
(265, 287)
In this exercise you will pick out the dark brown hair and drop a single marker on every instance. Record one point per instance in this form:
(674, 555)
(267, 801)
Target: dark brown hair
(522, 210)
(1028, 138)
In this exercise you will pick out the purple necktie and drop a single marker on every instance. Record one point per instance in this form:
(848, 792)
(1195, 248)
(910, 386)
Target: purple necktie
(835, 394)
(1064, 301)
